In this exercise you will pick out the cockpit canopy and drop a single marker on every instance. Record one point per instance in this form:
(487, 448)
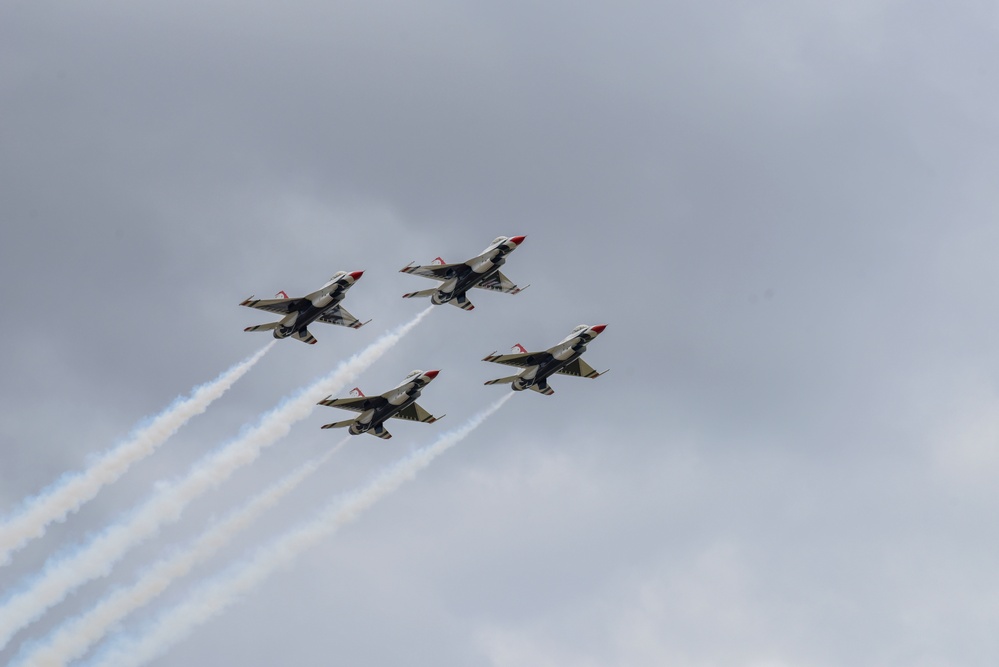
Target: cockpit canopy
(337, 276)
(580, 329)
(499, 239)
(414, 374)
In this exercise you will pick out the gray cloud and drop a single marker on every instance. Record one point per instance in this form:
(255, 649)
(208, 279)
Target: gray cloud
(782, 210)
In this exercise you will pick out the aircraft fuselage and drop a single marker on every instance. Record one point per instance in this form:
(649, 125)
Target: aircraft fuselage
(322, 301)
(373, 418)
(564, 355)
(467, 278)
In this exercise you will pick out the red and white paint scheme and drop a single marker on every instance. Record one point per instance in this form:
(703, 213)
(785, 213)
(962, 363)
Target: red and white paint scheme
(482, 272)
(323, 305)
(563, 358)
(397, 403)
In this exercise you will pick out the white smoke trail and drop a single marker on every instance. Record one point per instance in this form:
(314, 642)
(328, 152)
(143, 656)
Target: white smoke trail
(72, 639)
(218, 593)
(95, 559)
(72, 490)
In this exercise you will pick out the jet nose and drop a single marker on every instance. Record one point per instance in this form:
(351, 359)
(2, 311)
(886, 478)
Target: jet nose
(598, 328)
(518, 239)
(356, 274)
(431, 374)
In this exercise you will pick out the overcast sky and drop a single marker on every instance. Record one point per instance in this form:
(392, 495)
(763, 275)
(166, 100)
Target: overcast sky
(785, 212)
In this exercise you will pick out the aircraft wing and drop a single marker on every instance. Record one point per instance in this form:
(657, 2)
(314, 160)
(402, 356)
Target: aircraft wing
(415, 413)
(355, 403)
(279, 306)
(579, 368)
(339, 315)
(499, 283)
(522, 360)
(434, 271)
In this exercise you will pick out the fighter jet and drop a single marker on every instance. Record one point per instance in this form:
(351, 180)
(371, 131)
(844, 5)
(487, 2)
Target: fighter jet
(563, 358)
(399, 402)
(481, 271)
(323, 305)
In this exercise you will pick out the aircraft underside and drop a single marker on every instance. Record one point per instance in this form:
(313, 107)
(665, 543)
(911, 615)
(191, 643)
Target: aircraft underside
(378, 419)
(539, 380)
(301, 321)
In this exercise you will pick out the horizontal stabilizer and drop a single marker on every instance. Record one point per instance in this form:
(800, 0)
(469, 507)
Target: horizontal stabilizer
(462, 302)
(304, 336)
(380, 431)
(264, 327)
(542, 388)
(345, 422)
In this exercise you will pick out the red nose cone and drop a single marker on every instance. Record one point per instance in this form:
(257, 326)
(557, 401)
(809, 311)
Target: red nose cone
(431, 374)
(356, 274)
(599, 328)
(518, 239)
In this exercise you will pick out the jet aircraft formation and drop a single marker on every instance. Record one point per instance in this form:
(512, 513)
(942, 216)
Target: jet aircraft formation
(479, 272)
